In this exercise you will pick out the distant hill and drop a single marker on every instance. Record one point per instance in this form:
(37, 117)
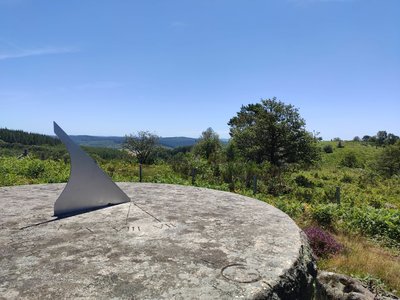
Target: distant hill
(180, 141)
(117, 141)
(98, 141)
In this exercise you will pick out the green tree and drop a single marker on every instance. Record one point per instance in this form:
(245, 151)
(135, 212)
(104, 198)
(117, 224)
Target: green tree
(381, 137)
(391, 139)
(388, 162)
(208, 146)
(272, 131)
(366, 138)
(141, 145)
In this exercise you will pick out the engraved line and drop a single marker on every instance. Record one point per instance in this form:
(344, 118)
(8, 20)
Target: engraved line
(146, 212)
(127, 215)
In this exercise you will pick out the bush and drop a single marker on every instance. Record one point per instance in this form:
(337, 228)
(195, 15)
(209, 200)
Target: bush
(324, 214)
(346, 178)
(35, 168)
(293, 209)
(303, 181)
(328, 149)
(380, 222)
(303, 194)
(388, 162)
(322, 243)
(350, 160)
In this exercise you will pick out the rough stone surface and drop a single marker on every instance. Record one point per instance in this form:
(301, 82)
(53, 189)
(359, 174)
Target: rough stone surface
(333, 286)
(169, 242)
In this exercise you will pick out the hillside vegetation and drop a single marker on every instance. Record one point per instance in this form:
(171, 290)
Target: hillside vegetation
(350, 189)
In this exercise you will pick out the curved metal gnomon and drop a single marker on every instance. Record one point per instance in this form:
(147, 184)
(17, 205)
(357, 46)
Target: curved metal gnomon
(88, 187)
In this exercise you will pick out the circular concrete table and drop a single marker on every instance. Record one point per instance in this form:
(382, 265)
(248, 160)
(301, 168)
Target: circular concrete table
(170, 242)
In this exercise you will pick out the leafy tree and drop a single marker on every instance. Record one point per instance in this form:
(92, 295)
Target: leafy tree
(372, 140)
(366, 138)
(208, 146)
(272, 131)
(381, 137)
(391, 139)
(388, 162)
(230, 152)
(142, 145)
(356, 139)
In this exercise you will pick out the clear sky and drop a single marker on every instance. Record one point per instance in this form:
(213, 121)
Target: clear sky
(177, 67)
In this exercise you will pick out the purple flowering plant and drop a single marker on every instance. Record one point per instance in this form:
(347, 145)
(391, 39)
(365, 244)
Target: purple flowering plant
(322, 243)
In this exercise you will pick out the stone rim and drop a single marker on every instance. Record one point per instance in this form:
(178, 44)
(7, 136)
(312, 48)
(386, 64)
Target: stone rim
(206, 261)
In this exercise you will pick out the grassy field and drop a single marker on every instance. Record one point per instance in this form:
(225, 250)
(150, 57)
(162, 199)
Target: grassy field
(366, 221)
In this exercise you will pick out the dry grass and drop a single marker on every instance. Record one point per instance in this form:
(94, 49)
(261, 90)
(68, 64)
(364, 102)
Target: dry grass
(363, 258)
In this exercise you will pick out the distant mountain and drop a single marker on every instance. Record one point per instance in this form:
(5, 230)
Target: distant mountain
(117, 141)
(22, 137)
(225, 141)
(98, 141)
(180, 141)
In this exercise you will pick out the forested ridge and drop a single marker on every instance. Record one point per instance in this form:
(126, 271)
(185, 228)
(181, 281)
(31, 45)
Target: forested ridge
(27, 138)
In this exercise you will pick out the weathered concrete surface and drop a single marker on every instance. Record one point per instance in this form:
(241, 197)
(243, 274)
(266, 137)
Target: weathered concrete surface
(170, 242)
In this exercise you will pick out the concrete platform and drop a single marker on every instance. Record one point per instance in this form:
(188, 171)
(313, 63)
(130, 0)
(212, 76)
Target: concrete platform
(170, 242)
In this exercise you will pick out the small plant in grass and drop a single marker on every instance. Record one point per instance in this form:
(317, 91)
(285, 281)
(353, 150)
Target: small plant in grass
(303, 181)
(346, 178)
(322, 243)
(328, 149)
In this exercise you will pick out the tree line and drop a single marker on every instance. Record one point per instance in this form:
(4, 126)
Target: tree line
(381, 138)
(27, 138)
(268, 139)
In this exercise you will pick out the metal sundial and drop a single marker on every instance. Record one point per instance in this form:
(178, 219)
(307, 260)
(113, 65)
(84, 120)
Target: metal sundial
(88, 187)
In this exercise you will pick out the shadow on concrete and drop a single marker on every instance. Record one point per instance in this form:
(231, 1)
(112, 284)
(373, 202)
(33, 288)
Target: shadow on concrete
(64, 216)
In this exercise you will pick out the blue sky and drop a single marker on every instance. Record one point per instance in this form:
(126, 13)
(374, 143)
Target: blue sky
(178, 67)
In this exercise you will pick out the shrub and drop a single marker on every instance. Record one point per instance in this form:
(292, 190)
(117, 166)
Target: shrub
(346, 178)
(388, 162)
(293, 209)
(303, 194)
(329, 194)
(303, 181)
(324, 214)
(34, 169)
(374, 222)
(328, 149)
(322, 243)
(350, 160)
